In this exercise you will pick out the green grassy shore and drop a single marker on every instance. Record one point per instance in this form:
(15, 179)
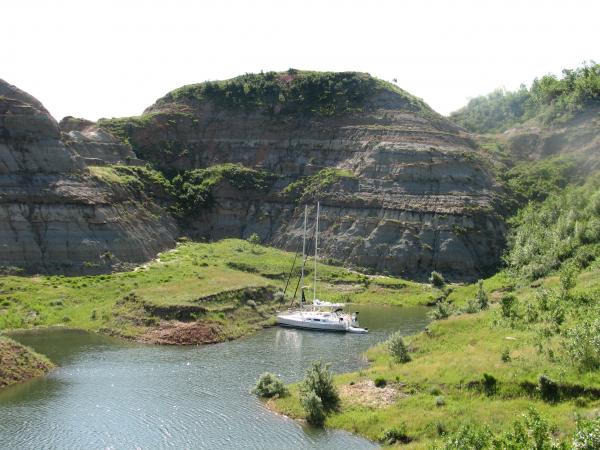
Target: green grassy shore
(226, 289)
(482, 368)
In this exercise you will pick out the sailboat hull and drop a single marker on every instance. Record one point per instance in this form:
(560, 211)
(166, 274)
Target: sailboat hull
(311, 323)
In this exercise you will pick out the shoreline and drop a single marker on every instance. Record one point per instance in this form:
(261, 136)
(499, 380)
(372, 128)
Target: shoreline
(19, 363)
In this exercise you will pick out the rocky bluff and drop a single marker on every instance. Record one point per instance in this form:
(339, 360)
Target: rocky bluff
(56, 215)
(402, 189)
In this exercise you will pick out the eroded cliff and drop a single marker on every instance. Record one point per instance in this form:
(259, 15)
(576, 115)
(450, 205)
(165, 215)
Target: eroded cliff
(56, 215)
(408, 194)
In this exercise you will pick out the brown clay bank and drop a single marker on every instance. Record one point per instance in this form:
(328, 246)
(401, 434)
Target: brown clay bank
(19, 363)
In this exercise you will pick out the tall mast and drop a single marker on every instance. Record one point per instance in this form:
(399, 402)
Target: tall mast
(316, 252)
(303, 254)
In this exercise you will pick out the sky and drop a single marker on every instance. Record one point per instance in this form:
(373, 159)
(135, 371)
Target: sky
(112, 58)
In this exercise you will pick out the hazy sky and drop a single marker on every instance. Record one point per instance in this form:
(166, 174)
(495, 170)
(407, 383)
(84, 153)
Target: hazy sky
(106, 58)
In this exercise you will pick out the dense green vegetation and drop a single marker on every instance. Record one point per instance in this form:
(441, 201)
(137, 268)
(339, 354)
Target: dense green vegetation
(269, 386)
(318, 394)
(534, 181)
(193, 189)
(293, 92)
(137, 178)
(188, 193)
(549, 99)
(19, 363)
(312, 186)
(564, 228)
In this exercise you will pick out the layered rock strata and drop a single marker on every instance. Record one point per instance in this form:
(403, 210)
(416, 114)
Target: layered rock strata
(414, 196)
(55, 216)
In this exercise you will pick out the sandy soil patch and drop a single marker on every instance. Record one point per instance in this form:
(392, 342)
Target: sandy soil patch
(365, 393)
(183, 333)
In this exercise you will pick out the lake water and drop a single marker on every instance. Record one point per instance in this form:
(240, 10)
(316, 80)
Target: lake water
(113, 394)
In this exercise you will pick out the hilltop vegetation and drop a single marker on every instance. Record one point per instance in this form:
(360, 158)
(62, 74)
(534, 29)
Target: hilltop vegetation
(294, 92)
(549, 99)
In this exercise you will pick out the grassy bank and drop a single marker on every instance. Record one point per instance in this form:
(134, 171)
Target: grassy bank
(482, 368)
(229, 288)
(19, 363)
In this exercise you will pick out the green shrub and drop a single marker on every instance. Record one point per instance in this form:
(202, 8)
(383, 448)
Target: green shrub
(439, 401)
(558, 232)
(582, 343)
(193, 189)
(269, 386)
(508, 305)
(434, 390)
(437, 279)
(397, 348)
(254, 239)
(489, 384)
(468, 437)
(548, 388)
(395, 435)
(533, 432)
(482, 297)
(319, 380)
(313, 406)
(380, 382)
(587, 435)
(442, 310)
(505, 357)
(472, 307)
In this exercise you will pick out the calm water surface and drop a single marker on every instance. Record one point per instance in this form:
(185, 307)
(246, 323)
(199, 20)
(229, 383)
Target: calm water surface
(112, 394)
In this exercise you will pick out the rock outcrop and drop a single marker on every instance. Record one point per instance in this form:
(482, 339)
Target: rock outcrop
(577, 139)
(412, 196)
(95, 145)
(55, 215)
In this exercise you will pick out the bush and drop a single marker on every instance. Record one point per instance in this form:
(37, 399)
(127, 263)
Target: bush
(380, 382)
(472, 307)
(469, 437)
(395, 435)
(587, 435)
(548, 388)
(505, 355)
(397, 348)
(439, 401)
(313, 406)
(489, 383)
(507, 305)
(582, 343)
(442, 310)
(482, 297)
(269, 386)
(254, 239)
(437, 279)
(319, 380)
(434, 390)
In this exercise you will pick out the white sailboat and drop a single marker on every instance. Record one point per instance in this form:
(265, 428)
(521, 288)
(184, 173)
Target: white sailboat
(324, 316)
